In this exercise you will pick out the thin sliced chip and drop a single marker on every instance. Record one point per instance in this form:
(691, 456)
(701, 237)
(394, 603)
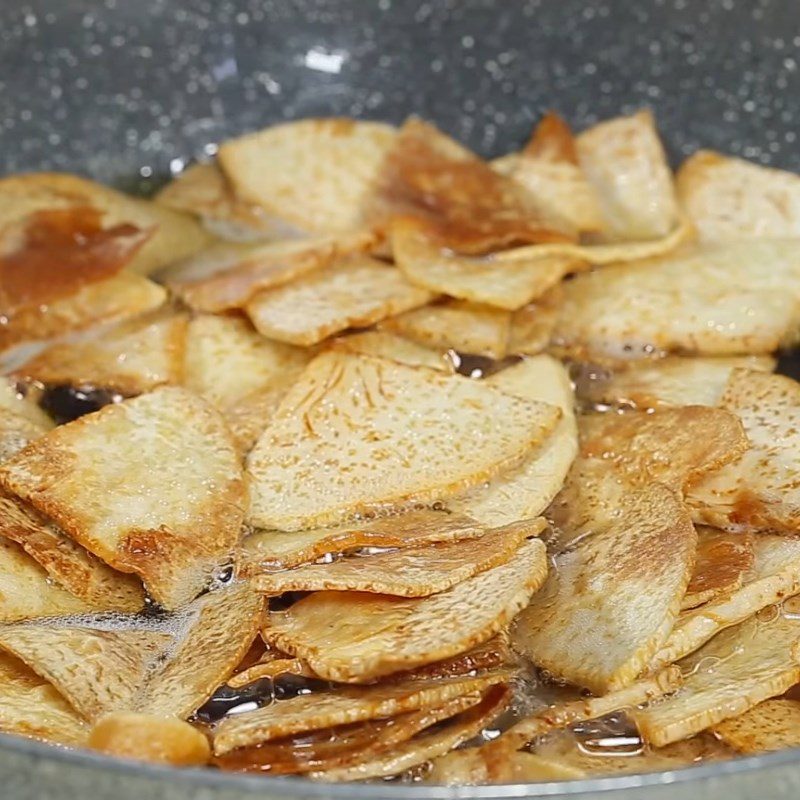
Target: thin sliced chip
(354, 293)
(532, 326)
(672, 381)
(625, 162)
(726, 299)
(774, 576)
(219, 629)
(229, 276)
(31, 707)
(723, 559)
(610, 603)
(96, 670)
(22, 401)
(509, 285)
(26, 590)
(761, 489)
(412, 529)
(673, 446)
(406, 572)
(561, 715)
(134, 357)
(174, 235)
(369, 434)
(342, 746)
(456, 325)
(771, 725)
(270, 669)
(729, 198)
(466, 205)
(16, 432)
(345, 706)
(227, 361)
(466, 767)
(315, 174)
(527, 490)
(66, 562)
(167, 506)
(429, 745)
(386, 345)
(735, 671)
(356, 637)
(204, 190)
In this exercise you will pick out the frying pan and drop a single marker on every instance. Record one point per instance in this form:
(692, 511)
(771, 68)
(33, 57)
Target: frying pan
(129, 91)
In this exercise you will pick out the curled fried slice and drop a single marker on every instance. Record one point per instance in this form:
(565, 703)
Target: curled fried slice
(611, 601)
(31, 707)
(465, 205)
(353, 293)
(412, 529)
(532, 325)
(368, 434)
(130, 358)
(723, 560)
(730, 198)
(66, 562)
(382, 344)
(355, 637)
(172, 525)
(715, 300)
(228, 362)
(735, 671)
(671, 381)
(508, 284)
(771, 725)
(761, 489)
(427, 745)
(345, 706)
(315, 174)
(775, 574)
(456, 325)
(527, 490)
(406, 572)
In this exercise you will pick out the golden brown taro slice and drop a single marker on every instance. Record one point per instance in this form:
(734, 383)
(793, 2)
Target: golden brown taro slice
(429, 744)
(736, 670)
(359, 434)
(729, 198)
(771, 725)
(130, 358)
(227, 361)
(508, 284)
(227, 276)
(671, 381)
(466, 206)
(26, 590)
(406, 572)
(760, 490)
(722, 562)
(315, 174)
(611, 601)
(66, 562)
(527, 490)
(382, 344)
(152, 486)
(345, 706)
(356, 637)
(672, 446)
(532, 325)
(625, 162)
(23, 401)
(173, 235)
(16, 432)
(31, 707)
(279, 549)
(456, 325)
(714, 300)
(775, 575)
(341, 746)
(352, 293)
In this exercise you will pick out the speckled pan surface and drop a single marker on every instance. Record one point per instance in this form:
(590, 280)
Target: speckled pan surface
(127, 90)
